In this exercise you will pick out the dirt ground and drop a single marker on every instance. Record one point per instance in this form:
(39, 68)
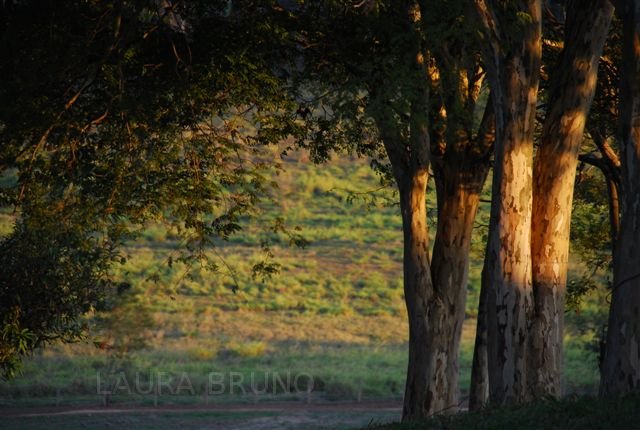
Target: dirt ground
(289, 415)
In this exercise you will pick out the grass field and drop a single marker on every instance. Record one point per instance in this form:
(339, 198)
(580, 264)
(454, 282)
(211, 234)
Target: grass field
(335, 313)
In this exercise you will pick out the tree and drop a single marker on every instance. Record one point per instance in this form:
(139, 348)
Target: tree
(410, 79)
(620, 371)
(513, 44)
(408, 149)
(215, 81)
(540, 332)
(461, 162)
(117, 113)
(568, 103)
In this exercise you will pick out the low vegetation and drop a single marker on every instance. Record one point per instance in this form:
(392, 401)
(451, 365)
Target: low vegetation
(570, 413)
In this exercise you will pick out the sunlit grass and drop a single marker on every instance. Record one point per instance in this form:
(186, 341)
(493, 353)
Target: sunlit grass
(336, 310)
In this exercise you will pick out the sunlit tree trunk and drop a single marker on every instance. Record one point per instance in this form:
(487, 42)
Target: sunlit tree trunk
(425, 393)
(434, 293)
(572, 91)
(450, 269)
(460, 174)
(421, 397)
(621, 364)
(513, 63)
(407, 147)
(436, 303)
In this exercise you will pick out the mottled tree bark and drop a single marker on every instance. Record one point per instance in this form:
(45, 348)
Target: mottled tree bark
(461, 161)
(513, 64)
(410, 163)
(450, 267)
(572, 91)
(620, 371)
(421, 398)
(435, 291)
(407, 146)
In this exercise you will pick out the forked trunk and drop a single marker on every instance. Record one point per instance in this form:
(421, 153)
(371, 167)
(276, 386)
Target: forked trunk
(572, 92)
(459, 196)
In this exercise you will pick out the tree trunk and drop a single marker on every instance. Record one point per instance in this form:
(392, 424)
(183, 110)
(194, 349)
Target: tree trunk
(573, 88)
(509, 307)
(513, 67)
(479, 390)
(479, 387)
(613, 198)
(409, 156)
(420, 395)
(621, 364)
(460, 166)
(435, 317)
(458, 198)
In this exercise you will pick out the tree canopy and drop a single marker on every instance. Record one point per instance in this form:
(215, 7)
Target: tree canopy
(117, 113)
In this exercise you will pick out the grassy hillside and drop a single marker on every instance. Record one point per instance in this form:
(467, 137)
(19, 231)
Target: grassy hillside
(335, 312)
